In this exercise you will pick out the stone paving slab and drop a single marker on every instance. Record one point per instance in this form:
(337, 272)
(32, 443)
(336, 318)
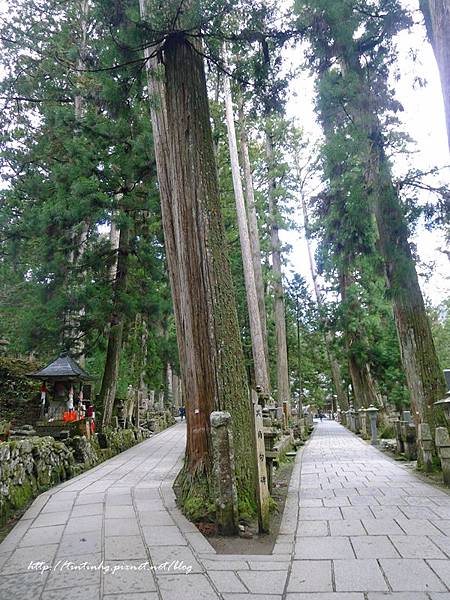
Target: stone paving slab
(311, 576)
(226, 582)
(75, 593)
(326, 596)
(411, 575)
(374, 546)
(323, 548)
(252, 596)
(357, 526)
(358, 575)
(264, 582)
(397, 596)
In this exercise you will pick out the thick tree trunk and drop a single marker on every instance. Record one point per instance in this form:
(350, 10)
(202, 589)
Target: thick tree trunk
(112, 363)
(210, 351)
(283, 384)
(362, 383)
(259, 356)
(335, 368)
(423, 374)
(364, 390)
(253, 227)
(420, 362)
(437, 20)
(341, 396)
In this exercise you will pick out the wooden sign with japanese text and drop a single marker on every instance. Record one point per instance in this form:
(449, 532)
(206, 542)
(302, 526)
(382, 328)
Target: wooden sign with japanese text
(263, 487)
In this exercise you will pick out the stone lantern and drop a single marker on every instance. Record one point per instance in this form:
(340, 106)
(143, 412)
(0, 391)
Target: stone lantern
(442, 437)
(355, 419)
(351, 417)
(445, 402)
(372, 412)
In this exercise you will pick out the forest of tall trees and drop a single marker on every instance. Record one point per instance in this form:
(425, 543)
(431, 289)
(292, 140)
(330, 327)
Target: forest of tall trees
(150, 171)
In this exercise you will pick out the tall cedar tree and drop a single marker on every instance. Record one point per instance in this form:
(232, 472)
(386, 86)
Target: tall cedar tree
(76, 140)
(211, 358)
(360, 42)
(254, 314)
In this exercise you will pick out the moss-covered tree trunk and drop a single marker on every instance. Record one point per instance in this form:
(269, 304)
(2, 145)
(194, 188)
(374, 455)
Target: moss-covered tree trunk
(423, 373)
(364, 390)
(116, 325)
(210, 350)
(362, 80)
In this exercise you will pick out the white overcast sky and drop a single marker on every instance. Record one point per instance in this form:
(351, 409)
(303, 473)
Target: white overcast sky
(424, 121)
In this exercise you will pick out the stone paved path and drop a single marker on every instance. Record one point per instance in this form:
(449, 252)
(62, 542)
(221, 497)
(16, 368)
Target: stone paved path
(357, 526)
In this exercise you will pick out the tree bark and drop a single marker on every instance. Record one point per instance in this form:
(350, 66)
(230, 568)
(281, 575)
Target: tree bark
(420, 362)
(364, 390)
(259, 356)
(112, 363)
(253, 226)
(423, 374)
(437, 20)
(210, 351)
(283, 384)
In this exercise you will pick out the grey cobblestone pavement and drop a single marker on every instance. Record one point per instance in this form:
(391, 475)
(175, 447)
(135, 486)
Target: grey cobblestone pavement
(357, 526)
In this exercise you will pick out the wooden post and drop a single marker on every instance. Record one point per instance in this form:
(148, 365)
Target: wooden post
(262, 491)
(137, 418)
(286, 414)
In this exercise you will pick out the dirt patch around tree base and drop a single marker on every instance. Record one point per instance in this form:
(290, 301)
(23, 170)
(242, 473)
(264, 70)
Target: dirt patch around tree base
(257, 543)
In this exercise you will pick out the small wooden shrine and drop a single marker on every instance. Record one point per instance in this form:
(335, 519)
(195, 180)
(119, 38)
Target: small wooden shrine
(65, 397)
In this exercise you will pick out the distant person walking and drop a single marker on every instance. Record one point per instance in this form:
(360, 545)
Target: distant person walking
(182, 412)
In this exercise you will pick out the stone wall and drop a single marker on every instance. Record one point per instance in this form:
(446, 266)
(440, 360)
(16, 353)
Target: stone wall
(31, 466)
(28, 467)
